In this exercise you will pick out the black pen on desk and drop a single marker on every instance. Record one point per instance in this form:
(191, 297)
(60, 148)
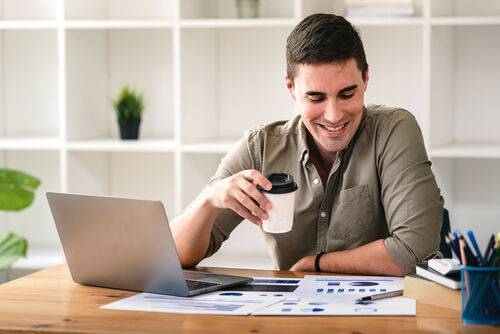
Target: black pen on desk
(489, 249)
(380, 296)
(451, 246)
(471, 257)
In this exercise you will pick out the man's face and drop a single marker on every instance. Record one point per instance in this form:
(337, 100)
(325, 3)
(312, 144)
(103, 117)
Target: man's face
(330, 99)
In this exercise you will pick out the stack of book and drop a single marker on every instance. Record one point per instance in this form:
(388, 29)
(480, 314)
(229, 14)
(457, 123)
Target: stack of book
(448, 278)
(379, 8)
(437, 282)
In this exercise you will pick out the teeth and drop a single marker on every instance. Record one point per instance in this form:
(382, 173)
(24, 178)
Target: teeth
(338, 128)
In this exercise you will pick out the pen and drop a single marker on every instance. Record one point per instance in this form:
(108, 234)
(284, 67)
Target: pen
(489, 249)
(454, 244)
(471, 258)
(473, 241)
(451, 246)
(381, 296)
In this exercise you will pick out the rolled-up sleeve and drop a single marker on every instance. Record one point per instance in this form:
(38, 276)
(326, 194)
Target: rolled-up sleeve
(410, 196)
(242, 156)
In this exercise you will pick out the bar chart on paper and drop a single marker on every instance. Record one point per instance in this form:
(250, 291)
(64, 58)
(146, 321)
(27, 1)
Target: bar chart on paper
(347, 285)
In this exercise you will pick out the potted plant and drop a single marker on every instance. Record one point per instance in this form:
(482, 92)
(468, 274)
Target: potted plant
(16, 193)
(129, 106)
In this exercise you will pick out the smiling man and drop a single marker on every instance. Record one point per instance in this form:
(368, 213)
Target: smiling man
(367, 202)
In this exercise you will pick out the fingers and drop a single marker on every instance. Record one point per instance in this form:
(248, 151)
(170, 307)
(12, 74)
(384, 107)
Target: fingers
(240, 194)
(257, 178)
(250, 205)
(250, 190)
(243, 212)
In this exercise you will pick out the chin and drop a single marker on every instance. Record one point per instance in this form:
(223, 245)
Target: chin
(334, 148)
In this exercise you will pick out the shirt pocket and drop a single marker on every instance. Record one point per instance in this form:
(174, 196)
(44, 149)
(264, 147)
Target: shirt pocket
(352, 218)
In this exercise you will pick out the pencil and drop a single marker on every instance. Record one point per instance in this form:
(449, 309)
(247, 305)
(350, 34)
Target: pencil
(464, 262)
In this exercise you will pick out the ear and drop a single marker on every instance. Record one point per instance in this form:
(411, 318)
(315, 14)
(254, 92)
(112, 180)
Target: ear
(367, 77)
(289, 86)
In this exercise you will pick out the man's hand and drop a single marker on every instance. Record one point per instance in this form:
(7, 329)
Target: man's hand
(304, 264)
(239, 193)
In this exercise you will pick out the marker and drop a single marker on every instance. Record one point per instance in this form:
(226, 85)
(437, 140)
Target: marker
(380, 296)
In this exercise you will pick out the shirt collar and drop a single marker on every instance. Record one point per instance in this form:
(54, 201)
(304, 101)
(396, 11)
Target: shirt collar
(303, 150)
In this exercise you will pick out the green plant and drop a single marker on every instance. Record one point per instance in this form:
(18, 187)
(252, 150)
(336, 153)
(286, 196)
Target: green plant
(129, 103)
(16, 193)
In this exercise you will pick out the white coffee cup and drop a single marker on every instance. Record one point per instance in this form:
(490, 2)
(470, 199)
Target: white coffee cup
(282, 198)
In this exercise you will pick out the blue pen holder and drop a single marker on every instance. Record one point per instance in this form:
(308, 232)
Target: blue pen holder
(481, 295)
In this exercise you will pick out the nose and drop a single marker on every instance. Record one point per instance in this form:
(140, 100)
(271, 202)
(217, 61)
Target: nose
(332, 113)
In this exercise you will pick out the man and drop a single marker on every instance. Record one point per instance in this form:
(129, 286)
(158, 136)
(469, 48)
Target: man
(367, 201)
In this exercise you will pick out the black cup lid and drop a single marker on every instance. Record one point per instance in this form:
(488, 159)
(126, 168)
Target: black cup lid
(282, 184)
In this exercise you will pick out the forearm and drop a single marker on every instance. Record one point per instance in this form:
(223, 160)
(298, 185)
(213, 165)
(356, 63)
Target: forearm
(191, 231)
(370, 259)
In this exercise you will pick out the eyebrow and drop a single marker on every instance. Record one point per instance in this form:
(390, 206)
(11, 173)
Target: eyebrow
(343, 90)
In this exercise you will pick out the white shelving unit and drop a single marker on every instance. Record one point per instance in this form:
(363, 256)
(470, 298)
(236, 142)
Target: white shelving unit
(208, 76)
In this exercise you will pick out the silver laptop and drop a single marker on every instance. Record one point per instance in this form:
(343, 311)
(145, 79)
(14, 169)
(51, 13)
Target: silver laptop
(125, 244)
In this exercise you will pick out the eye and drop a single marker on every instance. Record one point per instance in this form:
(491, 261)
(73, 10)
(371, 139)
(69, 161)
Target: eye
(316, 99)
(347, 96)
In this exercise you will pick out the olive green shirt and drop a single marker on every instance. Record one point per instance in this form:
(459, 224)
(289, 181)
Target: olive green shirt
(381, 186)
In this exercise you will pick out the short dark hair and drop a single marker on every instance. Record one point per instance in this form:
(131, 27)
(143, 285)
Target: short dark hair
(324, 38)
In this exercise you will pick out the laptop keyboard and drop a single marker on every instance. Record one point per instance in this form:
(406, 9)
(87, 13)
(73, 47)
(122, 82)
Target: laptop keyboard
(195, 285)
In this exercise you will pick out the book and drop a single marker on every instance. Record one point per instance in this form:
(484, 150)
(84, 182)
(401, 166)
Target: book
(451, 281)
(428, 292)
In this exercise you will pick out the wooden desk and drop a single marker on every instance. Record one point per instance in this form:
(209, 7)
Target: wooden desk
(49, 301)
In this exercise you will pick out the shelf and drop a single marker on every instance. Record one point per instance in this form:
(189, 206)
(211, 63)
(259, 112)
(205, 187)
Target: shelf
(119, 9)
(30, 78)
(460, 8)
(464, 105)
(218, 146)
(100, 62)
(29, 9)
(467, 150)
(238, 23)
(386, 21)
(227, 9)
(139, 175)
(33, 143)
(28, 24)
(465, 21)
(118, 24)
(117, 145)
(232, 80)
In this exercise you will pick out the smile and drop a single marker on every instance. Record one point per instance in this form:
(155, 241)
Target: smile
(334, 129)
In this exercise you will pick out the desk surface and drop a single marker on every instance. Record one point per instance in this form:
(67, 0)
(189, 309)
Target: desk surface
(49, 301)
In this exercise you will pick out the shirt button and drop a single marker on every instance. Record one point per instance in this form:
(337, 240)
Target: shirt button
(316, 181)
(322, 214)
